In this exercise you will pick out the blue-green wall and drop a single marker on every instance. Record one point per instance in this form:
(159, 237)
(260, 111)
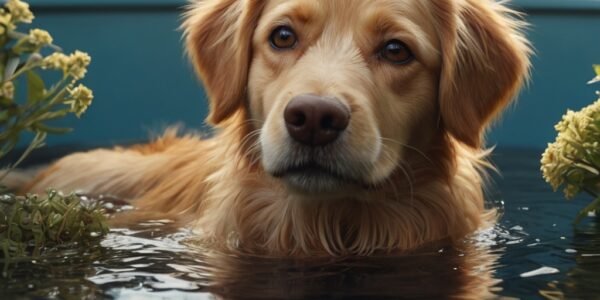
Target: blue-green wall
(142, 80)
(567, 44)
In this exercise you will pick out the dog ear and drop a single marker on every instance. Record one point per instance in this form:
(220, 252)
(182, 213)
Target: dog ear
(485, 62)
(218, 35)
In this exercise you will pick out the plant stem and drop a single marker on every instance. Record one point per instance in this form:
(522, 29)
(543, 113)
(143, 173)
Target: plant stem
(591, 207)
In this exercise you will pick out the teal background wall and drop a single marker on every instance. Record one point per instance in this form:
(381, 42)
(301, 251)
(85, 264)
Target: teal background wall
(142, 80)
(566, 36)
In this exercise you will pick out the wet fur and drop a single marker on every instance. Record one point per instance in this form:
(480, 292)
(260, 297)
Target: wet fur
(476, 59)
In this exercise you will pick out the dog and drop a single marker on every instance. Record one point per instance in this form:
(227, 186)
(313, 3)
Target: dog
(342, 127)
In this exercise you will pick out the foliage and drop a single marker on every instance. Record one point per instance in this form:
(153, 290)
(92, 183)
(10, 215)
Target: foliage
(21, 62)
(31, 224)
(573, 160)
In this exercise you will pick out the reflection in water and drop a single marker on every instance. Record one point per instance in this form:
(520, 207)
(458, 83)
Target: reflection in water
(166, 265)
(149, 261)
(439, 274)
(532, 252)
(584, 278)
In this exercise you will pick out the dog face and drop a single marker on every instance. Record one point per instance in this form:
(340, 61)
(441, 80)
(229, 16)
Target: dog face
(338, 91)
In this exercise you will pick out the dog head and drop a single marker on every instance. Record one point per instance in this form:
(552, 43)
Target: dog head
(341, 90)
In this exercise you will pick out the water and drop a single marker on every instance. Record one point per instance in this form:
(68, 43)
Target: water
(533, 252)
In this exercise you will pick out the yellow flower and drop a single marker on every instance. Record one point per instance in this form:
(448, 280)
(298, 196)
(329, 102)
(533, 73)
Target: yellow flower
(78, 63)
(82, 94)
(81, 99)
(6, 22)
(40, 37)
(56, 61)
(7, 90)
(575, 153)
(19, 11)
(74, 65)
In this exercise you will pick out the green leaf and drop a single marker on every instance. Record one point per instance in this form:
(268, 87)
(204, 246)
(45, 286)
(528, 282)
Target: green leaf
(6, 103)
(11, 67)
(51, 130)
(4, 116)
(53, 115)
(587, 167)
(3, 59)
(597, 79)
(584, 212)
(36, 89)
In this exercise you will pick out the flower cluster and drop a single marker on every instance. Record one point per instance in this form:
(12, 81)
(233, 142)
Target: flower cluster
(81, 99)
(36, 103)
(7, 90)
(573, 160)
(39, 37)
(20, 11)
(6, 23)
(74, 65)
(14, 11)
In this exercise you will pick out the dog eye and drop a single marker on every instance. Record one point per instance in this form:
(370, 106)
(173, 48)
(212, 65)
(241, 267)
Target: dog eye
(397, 52)
(283, 37)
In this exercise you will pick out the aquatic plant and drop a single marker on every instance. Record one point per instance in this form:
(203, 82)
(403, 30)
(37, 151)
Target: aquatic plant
(33, 223)
(30, 224)
(573, 160)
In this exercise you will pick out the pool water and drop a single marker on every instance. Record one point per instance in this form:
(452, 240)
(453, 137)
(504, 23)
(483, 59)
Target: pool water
(533, 252)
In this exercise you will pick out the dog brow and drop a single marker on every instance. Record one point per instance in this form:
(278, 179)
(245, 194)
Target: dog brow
(383, 23)
(298, 11)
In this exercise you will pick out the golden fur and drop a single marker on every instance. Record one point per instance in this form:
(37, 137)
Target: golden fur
(413, 146)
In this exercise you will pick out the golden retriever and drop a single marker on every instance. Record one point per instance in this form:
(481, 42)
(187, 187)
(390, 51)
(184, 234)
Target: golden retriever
(342, 126)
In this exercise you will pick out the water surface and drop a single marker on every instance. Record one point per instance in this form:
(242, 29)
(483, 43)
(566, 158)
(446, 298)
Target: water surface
(533, 252)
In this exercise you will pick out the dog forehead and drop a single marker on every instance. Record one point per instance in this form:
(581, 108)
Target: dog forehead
(348, 10)
(414, 17)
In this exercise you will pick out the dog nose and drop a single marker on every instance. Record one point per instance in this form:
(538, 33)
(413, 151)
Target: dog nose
(316, 121)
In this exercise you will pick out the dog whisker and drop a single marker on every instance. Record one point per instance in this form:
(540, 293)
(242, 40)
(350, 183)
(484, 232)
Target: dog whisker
(408, 147)
(398, 164)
